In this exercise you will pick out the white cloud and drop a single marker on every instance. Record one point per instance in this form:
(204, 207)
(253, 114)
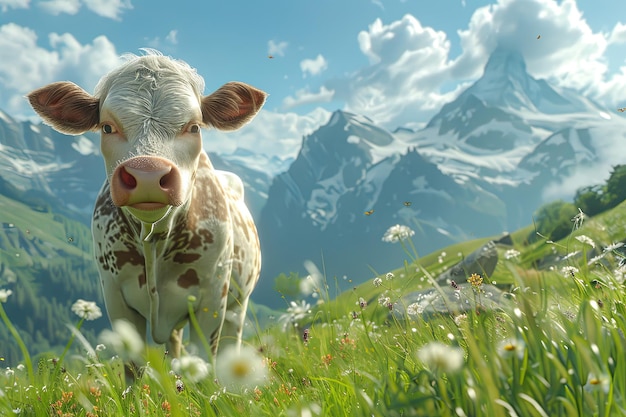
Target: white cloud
(24, 65)
(111, 9)
(567, 53)
(313, 66)
(56, 7)
(304, 96)
(276, 48)
(108, 8)
(408, 65)
(270, 133)
(411, 72)
(172, 37)
(5, 5)
(618, 34)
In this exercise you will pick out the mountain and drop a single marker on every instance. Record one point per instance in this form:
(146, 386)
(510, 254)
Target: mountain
(64, 171)
(350, 182)
(482, 165)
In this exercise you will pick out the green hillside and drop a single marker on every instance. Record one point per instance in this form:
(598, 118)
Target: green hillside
(46, 260)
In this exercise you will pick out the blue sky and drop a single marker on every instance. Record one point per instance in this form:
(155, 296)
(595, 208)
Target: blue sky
(394, 61)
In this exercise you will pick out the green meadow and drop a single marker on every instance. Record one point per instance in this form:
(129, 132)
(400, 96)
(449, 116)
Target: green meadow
(553, 346)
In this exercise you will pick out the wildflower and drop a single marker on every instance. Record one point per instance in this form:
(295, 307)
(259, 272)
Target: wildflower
(4, 295)
(578, 219)
(192, 368)
(512, 347)
(123, 339)
(180, 385)
(305, 336)
(511, 254)
(378, 282)
(240, 368)
(414, 309)
(295, 312)
(87, 310)
(598, 383)
(613, 246)
(458, 320)
(389, 276)
(383, 300)
(569, 271)
(397, 233)
(438, 356)
(313, 283)
(596, 258)
(586, 240)
(362, 303)
(476, 280)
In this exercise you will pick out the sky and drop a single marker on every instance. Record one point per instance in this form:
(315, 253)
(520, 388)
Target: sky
(394, 61)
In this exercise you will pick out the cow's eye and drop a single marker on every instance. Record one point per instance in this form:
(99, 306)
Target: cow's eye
(108, 129)
(193, 129)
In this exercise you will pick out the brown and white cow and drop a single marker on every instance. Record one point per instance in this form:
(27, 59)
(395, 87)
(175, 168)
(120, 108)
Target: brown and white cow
(166, 225)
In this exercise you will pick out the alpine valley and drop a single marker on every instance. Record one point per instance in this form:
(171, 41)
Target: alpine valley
(481, 166)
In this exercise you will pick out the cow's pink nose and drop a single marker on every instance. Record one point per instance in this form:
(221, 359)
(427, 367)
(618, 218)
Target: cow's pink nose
(132, 177)
(141, 181)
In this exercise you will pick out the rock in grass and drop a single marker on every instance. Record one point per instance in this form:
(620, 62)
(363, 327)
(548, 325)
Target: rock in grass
(453, 294)
(449, 300)
(482, 261)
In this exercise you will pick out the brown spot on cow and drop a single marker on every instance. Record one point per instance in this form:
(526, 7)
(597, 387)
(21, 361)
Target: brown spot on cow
(225, 289)
(131, 256)
(186, 258)
(207, 236)
(142, 279)
(189, 278)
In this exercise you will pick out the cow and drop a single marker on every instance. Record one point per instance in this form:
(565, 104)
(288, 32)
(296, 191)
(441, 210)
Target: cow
(168, 229)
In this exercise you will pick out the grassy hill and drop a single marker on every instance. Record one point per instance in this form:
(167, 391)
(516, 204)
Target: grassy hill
(551, 347)
(46, 261)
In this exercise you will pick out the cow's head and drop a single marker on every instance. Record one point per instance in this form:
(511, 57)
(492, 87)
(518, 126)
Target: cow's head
(149, 113)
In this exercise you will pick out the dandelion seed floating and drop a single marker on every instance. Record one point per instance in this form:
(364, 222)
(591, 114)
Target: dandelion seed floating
(407, 203)
(538, 36)
(369, 212)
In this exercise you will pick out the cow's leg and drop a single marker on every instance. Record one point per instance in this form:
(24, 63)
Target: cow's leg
(175, 344)
(232, 330)
(117, 309)
(210, 323)
(235, 318)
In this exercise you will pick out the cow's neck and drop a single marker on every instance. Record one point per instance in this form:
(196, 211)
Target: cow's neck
(152, 239)
(148, 229)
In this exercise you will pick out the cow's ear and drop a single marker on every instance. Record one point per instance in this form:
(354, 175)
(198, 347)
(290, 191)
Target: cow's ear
(66, 107)
(232, 105)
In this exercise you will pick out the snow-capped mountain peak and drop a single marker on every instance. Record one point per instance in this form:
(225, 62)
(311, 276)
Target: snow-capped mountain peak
(506, 83)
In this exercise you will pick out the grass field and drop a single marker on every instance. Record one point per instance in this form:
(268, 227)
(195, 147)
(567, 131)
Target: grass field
(557, 349)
